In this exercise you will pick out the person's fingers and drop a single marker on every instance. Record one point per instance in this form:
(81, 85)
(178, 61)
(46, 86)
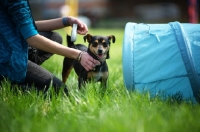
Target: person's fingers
(87, 65)
(82, 29)
(82, 32)
(86, 68)
(90, 65)
(96, 62)
(88, 62)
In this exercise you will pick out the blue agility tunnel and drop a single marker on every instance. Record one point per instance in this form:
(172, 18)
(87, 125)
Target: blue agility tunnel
(163, 59)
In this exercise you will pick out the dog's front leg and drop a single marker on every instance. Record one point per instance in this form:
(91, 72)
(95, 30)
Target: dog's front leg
(67, 67)
(103, 87)
(80, 82)
(104, 83)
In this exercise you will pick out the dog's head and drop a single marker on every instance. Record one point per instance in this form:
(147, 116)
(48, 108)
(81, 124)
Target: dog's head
(99, 45)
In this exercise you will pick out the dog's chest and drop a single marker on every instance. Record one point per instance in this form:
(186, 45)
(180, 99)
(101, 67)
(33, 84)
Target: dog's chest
(97, 75)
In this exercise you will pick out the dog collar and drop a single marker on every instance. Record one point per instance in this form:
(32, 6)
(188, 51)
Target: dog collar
(94, 56)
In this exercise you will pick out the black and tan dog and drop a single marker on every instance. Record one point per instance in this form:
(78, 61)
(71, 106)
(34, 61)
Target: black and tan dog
(98, 48)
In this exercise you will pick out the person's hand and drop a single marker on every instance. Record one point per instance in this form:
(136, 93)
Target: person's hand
(88, 62)
(82, 27)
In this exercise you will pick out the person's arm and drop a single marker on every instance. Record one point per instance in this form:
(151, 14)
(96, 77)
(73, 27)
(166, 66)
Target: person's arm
(24, 23)
(49, 25)
(48, 45)
(53, 24)
(21, 17)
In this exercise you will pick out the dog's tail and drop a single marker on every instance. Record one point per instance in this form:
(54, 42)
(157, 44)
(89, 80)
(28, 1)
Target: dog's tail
(69, 43)
(75, 46)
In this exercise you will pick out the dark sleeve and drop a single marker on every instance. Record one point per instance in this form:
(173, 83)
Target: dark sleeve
(21, 15)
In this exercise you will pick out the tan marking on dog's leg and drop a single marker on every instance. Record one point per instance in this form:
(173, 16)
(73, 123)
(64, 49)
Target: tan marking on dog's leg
(65, 74)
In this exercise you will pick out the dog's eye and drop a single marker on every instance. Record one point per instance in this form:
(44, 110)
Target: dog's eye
(95, 44)
(105, 45)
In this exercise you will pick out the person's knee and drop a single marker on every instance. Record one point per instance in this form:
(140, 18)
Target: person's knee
(57, 37)
(54, 36)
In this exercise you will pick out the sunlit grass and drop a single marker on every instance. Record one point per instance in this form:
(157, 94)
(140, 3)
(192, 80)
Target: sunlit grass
(88, 111)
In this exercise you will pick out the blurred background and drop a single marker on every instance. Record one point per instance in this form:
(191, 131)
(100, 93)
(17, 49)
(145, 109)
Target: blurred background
(116, 13)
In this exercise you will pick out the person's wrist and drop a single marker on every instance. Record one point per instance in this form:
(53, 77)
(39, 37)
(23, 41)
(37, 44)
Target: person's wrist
(80, 56)
(65, 21)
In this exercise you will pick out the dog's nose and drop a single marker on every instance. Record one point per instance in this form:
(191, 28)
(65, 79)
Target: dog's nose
(100, 51)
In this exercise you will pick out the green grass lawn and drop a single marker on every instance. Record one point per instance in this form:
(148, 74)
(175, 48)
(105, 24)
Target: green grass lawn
(87, 111)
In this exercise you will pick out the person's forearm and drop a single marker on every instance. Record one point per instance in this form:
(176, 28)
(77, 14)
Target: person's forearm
(49, 25)
(47, 45)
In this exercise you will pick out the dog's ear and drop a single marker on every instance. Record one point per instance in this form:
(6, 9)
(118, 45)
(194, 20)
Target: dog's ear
(113, 41)
(111, 37)
(87, 37)
(108, 55)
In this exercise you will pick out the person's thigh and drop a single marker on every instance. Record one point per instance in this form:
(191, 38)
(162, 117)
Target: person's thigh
(38, 56)
(42, 79)
(54, 36)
